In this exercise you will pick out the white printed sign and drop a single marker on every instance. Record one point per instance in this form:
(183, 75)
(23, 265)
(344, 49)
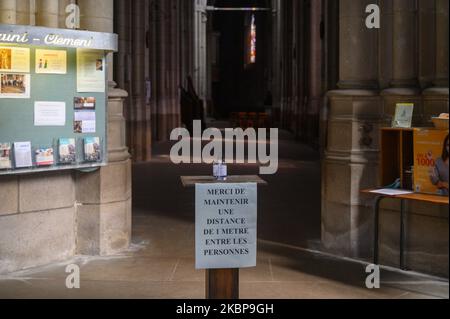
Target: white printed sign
(49, 113)
(226, 225)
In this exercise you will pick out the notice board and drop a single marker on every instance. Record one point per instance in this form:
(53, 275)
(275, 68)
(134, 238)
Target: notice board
(44, 108)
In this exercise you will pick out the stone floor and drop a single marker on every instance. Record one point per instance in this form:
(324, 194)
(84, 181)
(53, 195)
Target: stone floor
(160, 263)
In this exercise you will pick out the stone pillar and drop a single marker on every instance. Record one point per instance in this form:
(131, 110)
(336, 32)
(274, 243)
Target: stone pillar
(436, 99)
(315, 71)
(138, 79)
(47, 13)
(8, 11)
(405, 76)
(441, 43)
(358, 47)
(351, 155)
(104, 196)
(23, 14)
(405, 71)
(427, 42)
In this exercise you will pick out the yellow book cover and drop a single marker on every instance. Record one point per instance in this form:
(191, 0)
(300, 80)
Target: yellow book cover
(431, 161)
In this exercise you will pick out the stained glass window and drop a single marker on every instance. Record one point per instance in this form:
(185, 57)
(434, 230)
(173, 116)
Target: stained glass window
(253, 40)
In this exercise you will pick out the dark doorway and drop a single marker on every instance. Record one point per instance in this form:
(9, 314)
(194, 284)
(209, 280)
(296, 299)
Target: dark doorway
(240, 58)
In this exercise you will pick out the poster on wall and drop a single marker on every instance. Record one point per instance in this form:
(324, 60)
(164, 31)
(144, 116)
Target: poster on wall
(51, 61)
(14, 86)
(14, 59)
(90, 71)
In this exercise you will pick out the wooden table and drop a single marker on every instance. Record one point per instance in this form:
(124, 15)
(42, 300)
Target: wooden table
(433, 199)
(222, 283)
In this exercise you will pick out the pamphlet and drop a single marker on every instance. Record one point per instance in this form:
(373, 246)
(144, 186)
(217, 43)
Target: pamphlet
(403, 115)
(92, 149)
(44, 157)
(67, 151)
(22, 154)
(5, 156)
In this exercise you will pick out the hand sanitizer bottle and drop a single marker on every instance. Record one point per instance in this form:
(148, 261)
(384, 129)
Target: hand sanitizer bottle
(216, 169)
(223, 171)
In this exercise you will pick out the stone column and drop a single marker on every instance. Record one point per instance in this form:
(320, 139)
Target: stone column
(405, 84)
(358, 47)
(441, 43)
(436, 99)
(138, 78)
(47, 13)
(405, 72)
(23, 12)
(8, 9)
(427, 42)
(315, 71)
(351, 155)
(104, 196)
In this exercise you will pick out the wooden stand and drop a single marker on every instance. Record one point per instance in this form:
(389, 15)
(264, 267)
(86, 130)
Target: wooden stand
(221, 283)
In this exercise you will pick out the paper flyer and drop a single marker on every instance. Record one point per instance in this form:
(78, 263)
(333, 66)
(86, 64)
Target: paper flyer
(51, 61)
(13, 59)
(90, 71)
(49, 113)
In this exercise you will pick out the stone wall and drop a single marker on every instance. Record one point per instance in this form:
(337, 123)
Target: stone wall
(50, 217)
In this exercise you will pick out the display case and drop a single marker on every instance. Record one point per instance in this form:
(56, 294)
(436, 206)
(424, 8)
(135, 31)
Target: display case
(53, 99)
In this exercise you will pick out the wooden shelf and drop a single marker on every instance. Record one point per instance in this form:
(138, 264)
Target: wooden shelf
(397, 156)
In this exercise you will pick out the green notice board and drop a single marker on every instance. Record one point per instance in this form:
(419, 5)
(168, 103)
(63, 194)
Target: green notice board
(17, 116)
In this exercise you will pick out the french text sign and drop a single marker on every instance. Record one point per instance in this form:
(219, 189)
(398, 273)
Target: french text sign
(226, 225)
